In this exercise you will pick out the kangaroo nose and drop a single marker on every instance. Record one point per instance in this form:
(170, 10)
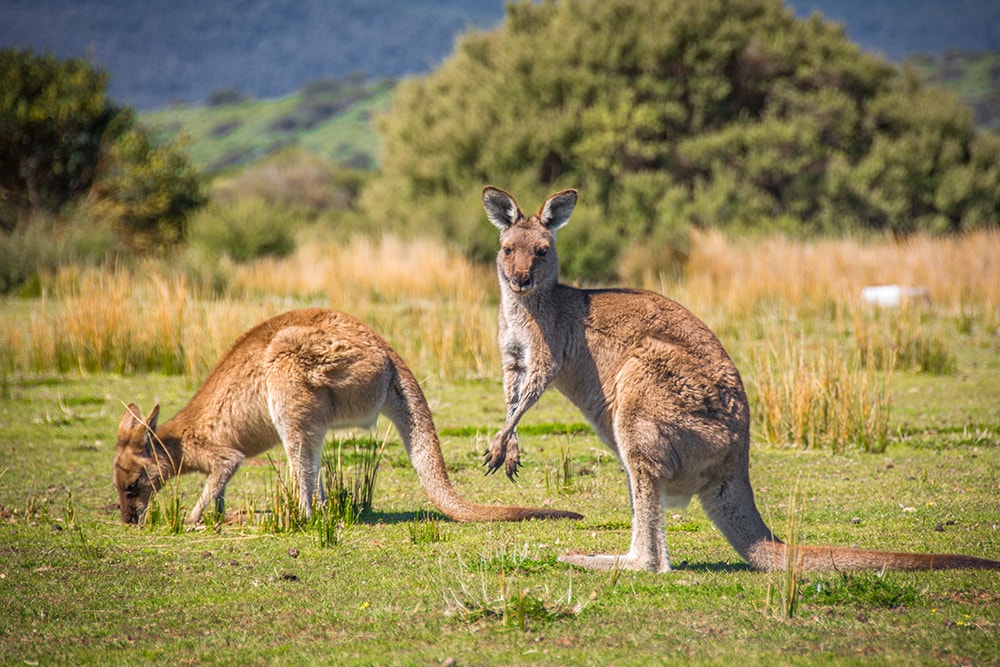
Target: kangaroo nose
(522, 281)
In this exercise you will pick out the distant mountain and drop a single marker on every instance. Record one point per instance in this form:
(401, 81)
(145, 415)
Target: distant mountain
(897, 29)
(162, 51)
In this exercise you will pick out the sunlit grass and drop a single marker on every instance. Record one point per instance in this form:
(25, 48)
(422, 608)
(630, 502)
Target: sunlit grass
(818, 362)
(819, 397)
(739, 278)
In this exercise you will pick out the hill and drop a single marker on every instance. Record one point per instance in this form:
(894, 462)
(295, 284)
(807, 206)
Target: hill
(327, 117)
(161, 52)
(336, 125)
(165, 51)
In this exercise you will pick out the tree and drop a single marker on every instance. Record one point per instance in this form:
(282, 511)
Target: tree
(675, 114)
(53, 115)
(61, 140)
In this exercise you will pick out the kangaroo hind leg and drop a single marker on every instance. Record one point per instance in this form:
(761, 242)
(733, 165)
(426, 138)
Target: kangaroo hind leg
(647, 491)
(302, 421)
(731, 507)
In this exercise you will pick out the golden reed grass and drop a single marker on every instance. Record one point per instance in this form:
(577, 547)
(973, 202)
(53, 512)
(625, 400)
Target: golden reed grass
(430, 303)
(738, 277)
(439, 311)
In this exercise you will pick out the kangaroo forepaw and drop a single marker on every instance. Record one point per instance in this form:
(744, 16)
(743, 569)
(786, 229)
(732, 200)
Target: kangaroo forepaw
(512, 463)
(503, 451)
(494, 456)
(491, 462)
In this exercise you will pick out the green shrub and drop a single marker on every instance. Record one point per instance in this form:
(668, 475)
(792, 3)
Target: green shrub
(63, 142)
(242, 231)
(677, 114)
(43, 244)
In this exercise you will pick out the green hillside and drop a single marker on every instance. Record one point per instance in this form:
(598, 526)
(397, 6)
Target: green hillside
(329, 118)
(336, 125)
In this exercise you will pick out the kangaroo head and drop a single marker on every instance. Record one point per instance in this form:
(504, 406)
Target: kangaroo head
(136, 472)
(527, 258)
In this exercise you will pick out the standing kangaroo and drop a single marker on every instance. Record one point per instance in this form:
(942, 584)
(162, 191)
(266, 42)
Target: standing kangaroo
(659, 390)
(290, 379)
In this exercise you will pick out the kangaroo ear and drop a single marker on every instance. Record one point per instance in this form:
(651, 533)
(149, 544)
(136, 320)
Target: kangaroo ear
(149, 435)
(557, 208)
(131, 418)
(153, 415)
(131, 430)
(501, 208)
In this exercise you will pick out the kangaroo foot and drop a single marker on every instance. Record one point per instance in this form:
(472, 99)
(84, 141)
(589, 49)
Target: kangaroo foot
(613, 562)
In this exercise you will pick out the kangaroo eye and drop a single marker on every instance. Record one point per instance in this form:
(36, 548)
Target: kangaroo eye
(541, 252)
(507, 250)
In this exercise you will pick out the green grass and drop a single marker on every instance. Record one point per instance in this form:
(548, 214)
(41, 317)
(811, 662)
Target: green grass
(80, 587)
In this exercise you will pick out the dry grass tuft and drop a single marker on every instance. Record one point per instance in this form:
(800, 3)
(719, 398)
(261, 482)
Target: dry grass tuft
(741, 277)
(777, 304)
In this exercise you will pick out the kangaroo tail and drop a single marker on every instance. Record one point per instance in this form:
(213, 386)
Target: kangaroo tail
(407, 408)
(777, 556)
(731, 507)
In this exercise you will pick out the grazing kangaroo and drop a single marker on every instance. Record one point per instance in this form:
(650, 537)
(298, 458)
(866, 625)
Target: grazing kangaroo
(290, 379)
(659, 390)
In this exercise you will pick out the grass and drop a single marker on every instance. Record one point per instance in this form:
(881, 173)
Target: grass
(379, 596)
(403, 585)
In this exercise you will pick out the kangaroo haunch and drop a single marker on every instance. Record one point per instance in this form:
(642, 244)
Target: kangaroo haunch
(289, 380)
(659, 390)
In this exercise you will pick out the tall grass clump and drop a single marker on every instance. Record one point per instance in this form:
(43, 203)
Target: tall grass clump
(431, 304)
(349, 491)
(145, 318)
(899, 339)
(783, 583)
(478, 598)
(819, 397)
(351, 488)
(103, 320)
(742, 277)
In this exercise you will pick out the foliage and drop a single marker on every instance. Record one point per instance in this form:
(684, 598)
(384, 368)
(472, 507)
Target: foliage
(62, 142)
(53, 119)
(41, 245)
(975, 76)
(148, 191)
(241, 231)
(675, 115)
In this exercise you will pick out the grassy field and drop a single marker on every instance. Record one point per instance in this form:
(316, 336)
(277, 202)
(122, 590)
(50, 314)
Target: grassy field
(406, 586)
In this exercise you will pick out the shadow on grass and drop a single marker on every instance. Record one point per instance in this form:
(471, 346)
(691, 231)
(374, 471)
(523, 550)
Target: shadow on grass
(373, 517)
(685, 566)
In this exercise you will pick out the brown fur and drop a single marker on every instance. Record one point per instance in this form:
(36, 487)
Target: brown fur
(659, 390)
(290, 379)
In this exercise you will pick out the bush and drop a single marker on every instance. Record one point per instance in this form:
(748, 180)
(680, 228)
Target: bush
(242, 231)
(225, 96)
(148, 191)
(299, 182)
(678, 114)
(67, 153)
(43, 244)
(53, 118)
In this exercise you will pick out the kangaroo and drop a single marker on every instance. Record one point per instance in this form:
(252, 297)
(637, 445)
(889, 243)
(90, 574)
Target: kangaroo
(659, 390)
(290, 379)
